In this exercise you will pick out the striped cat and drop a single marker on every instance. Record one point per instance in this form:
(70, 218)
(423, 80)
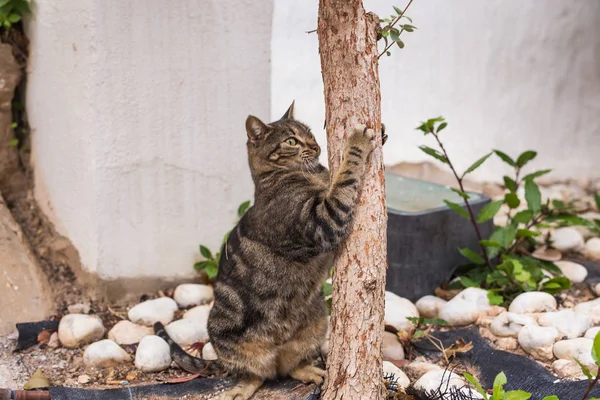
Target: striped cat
(269, 317)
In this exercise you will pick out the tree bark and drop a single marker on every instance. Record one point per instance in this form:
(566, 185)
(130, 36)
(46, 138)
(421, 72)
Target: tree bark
(348, 48)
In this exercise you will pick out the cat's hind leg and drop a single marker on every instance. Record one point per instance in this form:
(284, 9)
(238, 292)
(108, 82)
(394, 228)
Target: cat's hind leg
(244, 390)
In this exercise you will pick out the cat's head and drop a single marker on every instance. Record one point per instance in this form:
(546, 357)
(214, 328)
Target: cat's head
(283, 144)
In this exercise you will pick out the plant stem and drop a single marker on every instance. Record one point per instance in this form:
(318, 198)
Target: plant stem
(531, 224)
(517, 171)
(392, 25)
(467, 204)
(591, 385)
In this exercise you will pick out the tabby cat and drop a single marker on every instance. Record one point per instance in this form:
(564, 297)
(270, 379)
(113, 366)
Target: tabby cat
(269, 317)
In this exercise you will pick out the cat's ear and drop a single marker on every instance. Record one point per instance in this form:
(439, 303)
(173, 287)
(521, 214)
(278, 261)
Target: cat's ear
(255, 128)
(289, 114)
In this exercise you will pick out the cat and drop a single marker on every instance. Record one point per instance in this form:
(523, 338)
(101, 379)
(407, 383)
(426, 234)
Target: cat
(269, 316)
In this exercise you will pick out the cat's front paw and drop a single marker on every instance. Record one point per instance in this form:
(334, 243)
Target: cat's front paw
(363, 138)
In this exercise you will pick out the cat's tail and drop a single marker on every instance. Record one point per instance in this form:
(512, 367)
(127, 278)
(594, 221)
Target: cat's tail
(185, 361)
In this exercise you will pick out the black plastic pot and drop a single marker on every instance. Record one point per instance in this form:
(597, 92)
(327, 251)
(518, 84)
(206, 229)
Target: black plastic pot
(424, 235)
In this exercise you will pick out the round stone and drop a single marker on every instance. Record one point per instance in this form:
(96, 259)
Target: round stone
(572, 270)
(399, 375)
(592, 332)
(509, 324)
(198, 312)
(567, 322)
(153, 354)
(185, 332)
(151, 311)
(567, 239)
(447, 382)
(126, 332)
(590, 308)
(532, 302)
(77, 329)
(538, 341)
(466, 307)
(580, 348)
(592, 248)
(397, 309)
(208, 352)
(192, 294)
(429, 306)
(104, 353)
(392, 348)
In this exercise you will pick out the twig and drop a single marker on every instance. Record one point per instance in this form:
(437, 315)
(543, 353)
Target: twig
(467, 204)
(392, 25)
(591, 385)
(313, 31)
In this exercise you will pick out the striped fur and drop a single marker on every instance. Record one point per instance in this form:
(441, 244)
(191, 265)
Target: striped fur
(269, 317)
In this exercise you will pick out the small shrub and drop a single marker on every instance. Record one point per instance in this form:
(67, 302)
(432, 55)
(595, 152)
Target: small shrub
(504, 265)
(210, 264)
(11, 12)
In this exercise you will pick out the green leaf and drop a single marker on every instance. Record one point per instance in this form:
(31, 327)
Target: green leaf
(495, 299)
(510, 183)
(475, 383)
(527, 233)
(434, 153)
(14, 18)
(476, 164)
(461, 193)
(505, 158)
(537, 174)
(490, 243)
(573, 220)
(205, 252)
(523, 217)
(416, 320)
(409, 28)
(597, 200)
(408, 18)
(488, 211)
(385, 33)
(457, 209)
(525, 157)
(21, 6)
(398, 11)
(556, 285)
(200, 265)
(517, 395)
(584, 369)
(419, 333)
(472, 256)
(395, 34)
(467, 282)
(596, 349)
(387, 53)
(243, 208)
(533, 196)
(553, 397)
(400, 43)
(499, 382)
(327, 289)
(13, 143)
(442, 126)
(512, 200)
(4, 2)
(211, 270)
(504, 235)
(435, 321)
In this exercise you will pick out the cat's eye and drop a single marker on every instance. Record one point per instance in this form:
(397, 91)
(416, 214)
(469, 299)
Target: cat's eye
(291, 141)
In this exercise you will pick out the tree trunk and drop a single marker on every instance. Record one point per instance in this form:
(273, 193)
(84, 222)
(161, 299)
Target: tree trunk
(348, 48)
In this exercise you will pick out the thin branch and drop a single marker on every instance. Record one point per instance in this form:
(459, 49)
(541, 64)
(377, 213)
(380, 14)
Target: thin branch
(591, 385)
(313, 31)
(392, 25)
(467, 204)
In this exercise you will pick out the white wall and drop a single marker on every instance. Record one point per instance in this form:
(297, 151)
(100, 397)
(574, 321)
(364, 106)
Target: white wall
(137, 109)
(510, 74)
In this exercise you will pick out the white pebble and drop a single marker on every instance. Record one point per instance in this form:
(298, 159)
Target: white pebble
(592, 248)
(198, 312)
(392, 348)
(208, 352)
(580, 348)
(399, 375)
(567, 239)
(77, 329)
(104, 353)
(429, 306)
(126, 332)
(397, 309)
(590, 308)
(572, 270)
(192, 294)
(509, 324)
(151, 311)
(592, 332)
(466, 307)
(567, 369)
(187, 331)
(532, 302)
(538, 341)
(153, 354)
(567, 322)
(445, 380)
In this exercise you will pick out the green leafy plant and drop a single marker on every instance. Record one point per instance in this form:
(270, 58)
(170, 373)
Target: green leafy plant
(389, 29)
(504, 264)
(11, 12)
(592, 376)
(327, 290)
(210, 264)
